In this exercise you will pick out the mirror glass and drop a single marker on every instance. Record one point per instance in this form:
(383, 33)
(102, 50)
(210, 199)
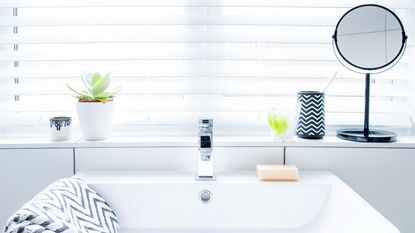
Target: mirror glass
(369, 37)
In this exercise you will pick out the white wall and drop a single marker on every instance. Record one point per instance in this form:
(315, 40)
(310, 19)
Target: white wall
(25, 172)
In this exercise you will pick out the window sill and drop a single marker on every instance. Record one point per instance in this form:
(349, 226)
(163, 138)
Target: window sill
(188, 141)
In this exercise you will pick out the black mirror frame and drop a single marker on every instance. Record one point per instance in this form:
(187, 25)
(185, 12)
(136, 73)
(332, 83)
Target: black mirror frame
(395, 59)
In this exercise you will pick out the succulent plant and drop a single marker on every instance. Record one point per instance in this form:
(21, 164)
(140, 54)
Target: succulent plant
(96, 88)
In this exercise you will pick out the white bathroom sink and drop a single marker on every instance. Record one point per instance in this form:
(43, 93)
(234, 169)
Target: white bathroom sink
(164, 202)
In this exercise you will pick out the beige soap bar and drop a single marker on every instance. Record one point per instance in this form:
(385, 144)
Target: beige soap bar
(277, 172)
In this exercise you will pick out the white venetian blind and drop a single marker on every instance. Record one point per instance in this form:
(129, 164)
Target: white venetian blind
(178, 60)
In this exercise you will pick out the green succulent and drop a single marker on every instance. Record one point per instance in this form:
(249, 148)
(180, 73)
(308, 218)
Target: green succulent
(96, 86)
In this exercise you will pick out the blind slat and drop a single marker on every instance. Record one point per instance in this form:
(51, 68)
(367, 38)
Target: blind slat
(225, 87)
(142, 119)
(168, 52)
(174, 54)
(213, 36)
(197, 70)
(273, 20)
(177, 54)
(200, 3)
(172, 103)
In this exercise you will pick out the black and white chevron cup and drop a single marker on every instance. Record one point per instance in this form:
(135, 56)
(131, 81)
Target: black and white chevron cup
(310, 123)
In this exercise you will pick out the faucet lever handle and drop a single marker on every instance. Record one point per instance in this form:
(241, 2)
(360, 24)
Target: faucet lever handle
(205, 124)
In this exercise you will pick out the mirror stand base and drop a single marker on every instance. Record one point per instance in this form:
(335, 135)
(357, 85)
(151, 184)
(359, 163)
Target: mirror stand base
(357, 135)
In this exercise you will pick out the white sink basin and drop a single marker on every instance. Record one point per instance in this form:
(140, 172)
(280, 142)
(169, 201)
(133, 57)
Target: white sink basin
(164, 202)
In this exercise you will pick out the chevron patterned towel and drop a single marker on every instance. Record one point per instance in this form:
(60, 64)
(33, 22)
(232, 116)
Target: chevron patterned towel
(66, 206)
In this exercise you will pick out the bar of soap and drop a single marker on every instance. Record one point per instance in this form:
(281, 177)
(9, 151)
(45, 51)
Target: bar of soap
(277, 172)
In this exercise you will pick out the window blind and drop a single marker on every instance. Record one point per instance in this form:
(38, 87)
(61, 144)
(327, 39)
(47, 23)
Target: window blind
(178, 60)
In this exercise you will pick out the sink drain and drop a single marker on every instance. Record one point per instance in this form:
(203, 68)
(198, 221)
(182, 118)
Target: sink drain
(205, 196)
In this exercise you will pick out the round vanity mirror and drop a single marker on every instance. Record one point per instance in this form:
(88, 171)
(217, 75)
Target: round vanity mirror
(369, 39)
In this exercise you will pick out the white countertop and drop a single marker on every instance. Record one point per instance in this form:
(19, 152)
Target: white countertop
(157, 177)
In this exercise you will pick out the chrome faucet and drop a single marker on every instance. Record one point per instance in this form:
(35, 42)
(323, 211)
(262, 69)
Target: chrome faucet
(205, 171)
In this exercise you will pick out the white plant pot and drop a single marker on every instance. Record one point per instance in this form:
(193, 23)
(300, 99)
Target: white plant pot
(95, 119)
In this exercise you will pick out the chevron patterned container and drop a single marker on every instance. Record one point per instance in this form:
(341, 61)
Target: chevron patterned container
(311, 115)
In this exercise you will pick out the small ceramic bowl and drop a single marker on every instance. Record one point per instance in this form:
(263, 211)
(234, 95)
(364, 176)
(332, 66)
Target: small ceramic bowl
(60, 128)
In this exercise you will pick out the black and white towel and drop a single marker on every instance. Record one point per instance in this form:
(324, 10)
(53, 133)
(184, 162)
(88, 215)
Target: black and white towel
(66, 206)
